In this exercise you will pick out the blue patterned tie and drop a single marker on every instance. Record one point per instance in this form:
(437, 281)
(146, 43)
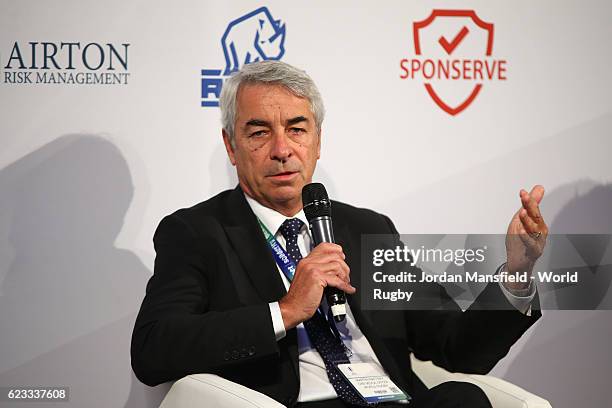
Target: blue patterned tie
(331, 350)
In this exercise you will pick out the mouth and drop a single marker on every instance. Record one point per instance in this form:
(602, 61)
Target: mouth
(284, 176)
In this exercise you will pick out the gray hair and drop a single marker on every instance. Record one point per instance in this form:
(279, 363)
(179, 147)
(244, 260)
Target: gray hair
(273, 73)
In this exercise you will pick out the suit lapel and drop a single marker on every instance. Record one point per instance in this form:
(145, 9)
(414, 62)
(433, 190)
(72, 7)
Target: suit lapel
(252, 249)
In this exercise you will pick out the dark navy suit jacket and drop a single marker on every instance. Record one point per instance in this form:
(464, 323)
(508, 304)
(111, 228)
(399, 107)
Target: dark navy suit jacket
(206, 307)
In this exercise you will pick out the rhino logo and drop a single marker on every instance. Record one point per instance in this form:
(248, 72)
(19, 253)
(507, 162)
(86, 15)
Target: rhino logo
(256, 36)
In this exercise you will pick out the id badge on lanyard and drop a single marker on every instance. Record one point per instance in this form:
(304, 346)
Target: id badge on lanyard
(370, 382)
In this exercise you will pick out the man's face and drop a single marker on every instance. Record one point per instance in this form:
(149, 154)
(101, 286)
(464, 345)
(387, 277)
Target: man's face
(276, 145)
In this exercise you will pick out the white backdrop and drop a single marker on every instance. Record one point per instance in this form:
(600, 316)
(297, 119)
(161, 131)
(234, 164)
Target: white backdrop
(87, 171)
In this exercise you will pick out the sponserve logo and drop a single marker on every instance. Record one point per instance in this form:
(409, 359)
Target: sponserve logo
(453, 58)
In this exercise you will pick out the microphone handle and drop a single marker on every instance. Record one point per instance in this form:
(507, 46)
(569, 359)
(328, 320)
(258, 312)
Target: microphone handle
(322, 231)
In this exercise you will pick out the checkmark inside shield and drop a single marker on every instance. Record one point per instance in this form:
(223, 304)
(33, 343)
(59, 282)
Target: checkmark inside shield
(449, 47)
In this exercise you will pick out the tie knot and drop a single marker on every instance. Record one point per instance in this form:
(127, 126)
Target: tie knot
(291, 228)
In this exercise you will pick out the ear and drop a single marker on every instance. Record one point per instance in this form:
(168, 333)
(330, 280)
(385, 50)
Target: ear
(228, 147)
(319, 145)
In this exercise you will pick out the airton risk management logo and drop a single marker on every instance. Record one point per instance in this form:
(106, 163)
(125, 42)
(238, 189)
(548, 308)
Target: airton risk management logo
(453, 58)
(255, 36)
(65, 63)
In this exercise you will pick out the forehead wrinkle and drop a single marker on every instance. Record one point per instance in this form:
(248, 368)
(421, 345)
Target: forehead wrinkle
(272, 106)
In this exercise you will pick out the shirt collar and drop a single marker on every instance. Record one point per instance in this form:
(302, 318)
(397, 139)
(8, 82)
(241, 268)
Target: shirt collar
(272, 219)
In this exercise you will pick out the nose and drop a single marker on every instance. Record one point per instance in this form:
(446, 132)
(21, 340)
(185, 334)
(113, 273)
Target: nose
(280, 149)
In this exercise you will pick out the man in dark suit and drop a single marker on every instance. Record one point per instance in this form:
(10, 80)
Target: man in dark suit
(218, 303)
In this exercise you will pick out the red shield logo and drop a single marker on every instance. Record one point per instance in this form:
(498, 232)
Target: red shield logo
(457, 35)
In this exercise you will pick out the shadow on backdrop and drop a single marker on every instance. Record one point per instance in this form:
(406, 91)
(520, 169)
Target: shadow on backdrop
(588, 210)
(570, 357)
(68, 295)
(220, 180)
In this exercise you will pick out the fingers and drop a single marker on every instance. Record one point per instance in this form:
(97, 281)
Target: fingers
(537, 192)
(325, 258)
(337, 268)
(326, 255)
(531, 207)
(527, 232)
(342, 273)
(327, 248)
(529, 225)
(336, 282)
(326, 265)
(532, 223)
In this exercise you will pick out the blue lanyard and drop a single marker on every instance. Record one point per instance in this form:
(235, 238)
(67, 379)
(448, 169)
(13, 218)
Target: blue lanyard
(281, 256)
(287, 266)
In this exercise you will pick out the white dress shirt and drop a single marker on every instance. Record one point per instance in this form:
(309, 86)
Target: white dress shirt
(314, 384)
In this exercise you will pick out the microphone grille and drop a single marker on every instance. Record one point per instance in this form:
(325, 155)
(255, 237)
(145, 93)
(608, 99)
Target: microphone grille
(315, 200)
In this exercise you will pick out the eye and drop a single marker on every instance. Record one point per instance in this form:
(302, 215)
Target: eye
(297, 130)
(258, 133)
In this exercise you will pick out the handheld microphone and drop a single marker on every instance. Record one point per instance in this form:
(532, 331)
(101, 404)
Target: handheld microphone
(317, 208)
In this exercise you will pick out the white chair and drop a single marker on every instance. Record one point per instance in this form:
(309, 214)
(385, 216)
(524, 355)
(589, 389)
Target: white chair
(502, 394)
(208, 390)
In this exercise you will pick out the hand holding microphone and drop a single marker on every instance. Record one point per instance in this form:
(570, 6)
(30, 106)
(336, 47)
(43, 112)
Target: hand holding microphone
(323, 270)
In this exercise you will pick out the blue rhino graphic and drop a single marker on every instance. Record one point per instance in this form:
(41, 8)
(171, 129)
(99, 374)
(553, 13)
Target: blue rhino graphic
(253, 37)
